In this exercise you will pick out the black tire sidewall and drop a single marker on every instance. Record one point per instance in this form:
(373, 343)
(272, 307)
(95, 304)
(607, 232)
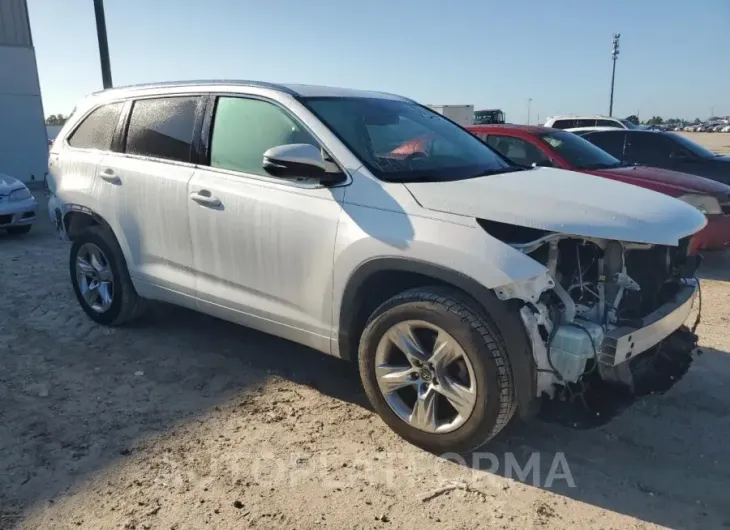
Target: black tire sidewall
(481, 424)
(96, 237)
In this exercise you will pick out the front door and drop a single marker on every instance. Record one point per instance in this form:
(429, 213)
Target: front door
(263, 247)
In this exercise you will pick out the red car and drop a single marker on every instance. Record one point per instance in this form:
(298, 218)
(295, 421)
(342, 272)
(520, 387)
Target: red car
(543, 146)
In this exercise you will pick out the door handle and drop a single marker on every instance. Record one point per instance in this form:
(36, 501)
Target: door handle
(109, 176)
(205, 198)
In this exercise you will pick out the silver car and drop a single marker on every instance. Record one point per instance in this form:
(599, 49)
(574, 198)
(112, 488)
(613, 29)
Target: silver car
(368, 227)
(17, 206)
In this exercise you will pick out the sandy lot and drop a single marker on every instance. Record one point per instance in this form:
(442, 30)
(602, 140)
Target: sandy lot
(186, 422)
(717, 142)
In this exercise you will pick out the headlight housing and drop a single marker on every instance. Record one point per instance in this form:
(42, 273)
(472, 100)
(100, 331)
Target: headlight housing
(20, 194)
(707, 204)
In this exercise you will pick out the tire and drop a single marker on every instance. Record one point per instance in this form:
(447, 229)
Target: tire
(18, 230)
(454, 313)
(126, 305)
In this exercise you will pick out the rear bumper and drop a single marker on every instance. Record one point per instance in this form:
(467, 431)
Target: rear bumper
(624, 343)
(18, 213)
(714, 236)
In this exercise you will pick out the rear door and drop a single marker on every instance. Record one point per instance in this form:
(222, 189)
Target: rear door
(143, 190)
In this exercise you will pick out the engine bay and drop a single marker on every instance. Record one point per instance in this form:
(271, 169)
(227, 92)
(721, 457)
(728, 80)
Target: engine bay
(613, 320)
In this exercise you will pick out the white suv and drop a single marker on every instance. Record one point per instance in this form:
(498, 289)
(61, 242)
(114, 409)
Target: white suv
(370, 228)
(579, 122)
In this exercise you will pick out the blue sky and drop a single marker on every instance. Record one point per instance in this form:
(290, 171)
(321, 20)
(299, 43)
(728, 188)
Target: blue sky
(490, 53)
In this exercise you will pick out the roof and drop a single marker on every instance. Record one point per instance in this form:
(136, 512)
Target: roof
(297, 90)
(582, 117)
(595, 129)
(533, 129)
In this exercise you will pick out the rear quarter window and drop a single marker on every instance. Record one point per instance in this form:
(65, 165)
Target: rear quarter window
(97, 129)
(564, 124)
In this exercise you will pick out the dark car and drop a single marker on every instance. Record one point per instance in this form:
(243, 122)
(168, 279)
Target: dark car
(662, 149)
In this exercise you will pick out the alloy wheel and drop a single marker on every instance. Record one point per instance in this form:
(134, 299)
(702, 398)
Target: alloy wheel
(425, 376)
(94, 277)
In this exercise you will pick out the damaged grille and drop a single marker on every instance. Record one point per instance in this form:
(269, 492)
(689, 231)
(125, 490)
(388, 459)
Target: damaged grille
(657, 271)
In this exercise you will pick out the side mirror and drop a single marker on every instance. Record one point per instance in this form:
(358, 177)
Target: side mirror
(294, 161)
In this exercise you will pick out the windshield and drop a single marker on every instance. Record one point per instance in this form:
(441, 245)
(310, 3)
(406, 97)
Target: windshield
(628, 124)
(402, 141)
(484, 117)
(579, 152)
(696, 149)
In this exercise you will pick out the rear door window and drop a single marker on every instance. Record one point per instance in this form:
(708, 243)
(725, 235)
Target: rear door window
(97, 129)
(610, 141)
(162, 127)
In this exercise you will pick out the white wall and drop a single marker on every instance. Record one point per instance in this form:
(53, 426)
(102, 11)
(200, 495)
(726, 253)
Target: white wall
(23, 140)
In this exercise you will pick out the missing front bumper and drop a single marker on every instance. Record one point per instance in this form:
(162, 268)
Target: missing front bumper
(624, 343)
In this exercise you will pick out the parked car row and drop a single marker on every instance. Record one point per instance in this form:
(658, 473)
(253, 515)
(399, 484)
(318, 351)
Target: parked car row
(702, 127)
(472, 281)
(616, 155)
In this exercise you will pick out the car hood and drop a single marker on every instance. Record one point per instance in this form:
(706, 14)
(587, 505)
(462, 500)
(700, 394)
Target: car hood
(8, 184)
(567, 202)
(670, 182)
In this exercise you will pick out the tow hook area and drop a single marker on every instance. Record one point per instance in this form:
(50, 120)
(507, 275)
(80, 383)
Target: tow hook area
(594, 402)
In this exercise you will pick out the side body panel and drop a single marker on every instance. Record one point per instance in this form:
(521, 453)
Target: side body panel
(383, 220)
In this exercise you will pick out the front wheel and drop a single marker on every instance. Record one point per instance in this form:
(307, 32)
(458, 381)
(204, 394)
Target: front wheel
(435, 371)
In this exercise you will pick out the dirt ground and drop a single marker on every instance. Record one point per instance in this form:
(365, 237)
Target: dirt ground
(187, 422)
(717, 142)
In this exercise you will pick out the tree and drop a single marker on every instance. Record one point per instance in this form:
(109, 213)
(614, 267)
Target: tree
(655, 120)
(633, 119)
(56, 119)
(697, 121)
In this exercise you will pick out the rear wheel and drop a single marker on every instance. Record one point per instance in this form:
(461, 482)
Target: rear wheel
(435, 371)
(101, 280)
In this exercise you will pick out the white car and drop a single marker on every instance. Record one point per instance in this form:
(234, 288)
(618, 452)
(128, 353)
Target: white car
(17, 206)
(575, 122)
(371, 228)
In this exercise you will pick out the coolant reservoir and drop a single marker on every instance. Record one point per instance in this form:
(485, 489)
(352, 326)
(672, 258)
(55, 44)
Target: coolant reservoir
(571, 348)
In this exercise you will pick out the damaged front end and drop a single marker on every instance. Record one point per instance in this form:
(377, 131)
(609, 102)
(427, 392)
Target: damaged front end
(606, 321)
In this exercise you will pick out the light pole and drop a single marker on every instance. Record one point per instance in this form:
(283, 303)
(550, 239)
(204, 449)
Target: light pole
(529, 103)
(614, 54)
(106, 69)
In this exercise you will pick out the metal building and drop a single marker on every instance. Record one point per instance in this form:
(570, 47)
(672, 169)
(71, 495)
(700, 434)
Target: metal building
(23, 139)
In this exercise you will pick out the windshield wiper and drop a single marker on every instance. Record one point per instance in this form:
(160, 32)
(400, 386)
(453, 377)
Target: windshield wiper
(509, 169)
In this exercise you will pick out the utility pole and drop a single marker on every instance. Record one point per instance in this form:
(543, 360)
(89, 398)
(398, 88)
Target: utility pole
(106, 69)
(614, 55)
(529, 102)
